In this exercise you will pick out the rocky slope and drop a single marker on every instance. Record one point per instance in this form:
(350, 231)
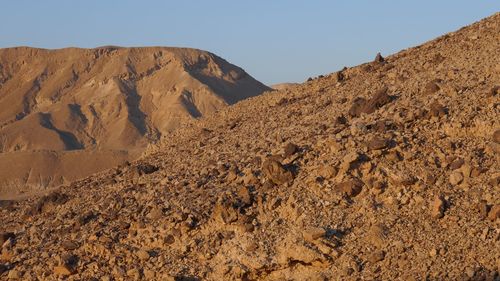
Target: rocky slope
(104, 101)
(384, 171)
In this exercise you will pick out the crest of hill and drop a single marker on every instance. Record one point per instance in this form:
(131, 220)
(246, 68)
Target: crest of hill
(384, 171)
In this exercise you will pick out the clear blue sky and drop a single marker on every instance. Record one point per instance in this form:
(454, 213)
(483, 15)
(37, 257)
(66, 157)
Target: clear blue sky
(274, 40)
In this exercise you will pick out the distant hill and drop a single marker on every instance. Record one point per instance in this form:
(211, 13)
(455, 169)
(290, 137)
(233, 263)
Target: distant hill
(106, 99)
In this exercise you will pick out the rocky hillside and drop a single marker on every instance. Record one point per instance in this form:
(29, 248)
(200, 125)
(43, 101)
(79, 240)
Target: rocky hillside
(384, 171)
(108, 99)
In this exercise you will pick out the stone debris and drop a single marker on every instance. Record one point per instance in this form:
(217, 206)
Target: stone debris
(438, 207)
(276, 172)
(313, 233)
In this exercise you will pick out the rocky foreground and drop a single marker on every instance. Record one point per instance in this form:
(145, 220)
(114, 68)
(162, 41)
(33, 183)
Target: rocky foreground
(384, 171)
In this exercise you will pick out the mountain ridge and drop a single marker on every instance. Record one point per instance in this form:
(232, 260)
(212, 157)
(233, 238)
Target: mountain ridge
(108, 98)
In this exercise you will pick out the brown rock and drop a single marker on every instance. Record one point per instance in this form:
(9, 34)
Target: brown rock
(67, 266)
(313, 233)
(477, 171)
(142, 255)
(457, 163)
(438, 207)
(494, 91)
(456, 178)
(155, 214)
(275, 172)
(377, 143)
(13, 275)
(350, 188)
(225, 213)
(376, 256)
(494, 212)
(378, 100)
(290, 149)
(3, 268)
(437, 110)
(339, 76)
(327, 172)
(357, 107)
(232, 175)
(4, 236)
(482, 209)
(431, 88)
(496, 136)
(361, 105)
(62, 270)
(69, 245)
(245, 195)
(379, 58)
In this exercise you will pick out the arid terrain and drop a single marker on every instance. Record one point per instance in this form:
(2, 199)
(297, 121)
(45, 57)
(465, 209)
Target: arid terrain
(384, 171)
(68, 113)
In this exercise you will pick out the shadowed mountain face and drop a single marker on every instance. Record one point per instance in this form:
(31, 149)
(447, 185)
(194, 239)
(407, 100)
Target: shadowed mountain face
(109, 98)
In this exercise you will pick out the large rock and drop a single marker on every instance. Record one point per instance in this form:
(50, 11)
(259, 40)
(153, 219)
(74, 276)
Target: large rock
(276, 172)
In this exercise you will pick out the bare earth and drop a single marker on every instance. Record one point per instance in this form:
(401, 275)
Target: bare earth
(384, 171)
(101, 104)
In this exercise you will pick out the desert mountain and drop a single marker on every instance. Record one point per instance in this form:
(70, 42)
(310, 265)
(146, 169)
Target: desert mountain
(384, 171)
(106, 101)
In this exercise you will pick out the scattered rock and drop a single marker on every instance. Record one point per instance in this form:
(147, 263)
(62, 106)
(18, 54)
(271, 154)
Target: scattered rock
(245, 195)
(496, 136)
(494, 212)
(290, 149)
(351, 187)
(377, 143)
(156, 213)
(339, 76)
(457, 163)
(275, 172)
(327, 172)
(379, 58)
(69, 245)
(494, 91)
(438, 207)
(376, 256)
(232, 175)
(4, 236)
(62, 270)
(456, 178)
(142, 255)
(313, 233)
(482, 209)
(67, 266)
(361, 105)
(431, 88)
(3, 268)
(437, 110)
(13, 275)
(146, 169)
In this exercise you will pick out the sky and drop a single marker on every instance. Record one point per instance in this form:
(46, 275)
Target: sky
(275, 41)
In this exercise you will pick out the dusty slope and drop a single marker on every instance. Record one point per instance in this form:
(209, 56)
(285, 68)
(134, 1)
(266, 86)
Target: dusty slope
(108, 98)
(395, 184)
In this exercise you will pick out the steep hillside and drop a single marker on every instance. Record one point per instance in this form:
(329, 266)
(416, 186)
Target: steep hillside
(108, 98)
(384, 171)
